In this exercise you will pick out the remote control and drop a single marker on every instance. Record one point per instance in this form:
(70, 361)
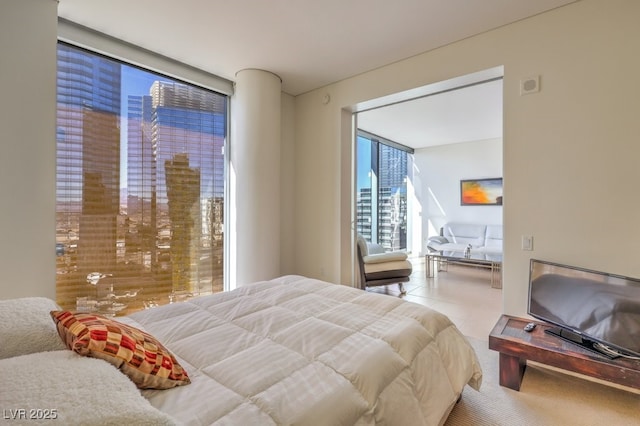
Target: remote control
(529, 327)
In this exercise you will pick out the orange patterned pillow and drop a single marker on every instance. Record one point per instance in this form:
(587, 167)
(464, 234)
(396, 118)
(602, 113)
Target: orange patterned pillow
(136, 353)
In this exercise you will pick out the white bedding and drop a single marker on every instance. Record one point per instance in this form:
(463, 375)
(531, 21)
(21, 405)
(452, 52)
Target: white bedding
(300, 351)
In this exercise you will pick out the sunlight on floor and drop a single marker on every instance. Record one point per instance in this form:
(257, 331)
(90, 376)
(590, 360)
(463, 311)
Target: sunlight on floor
(463, 293)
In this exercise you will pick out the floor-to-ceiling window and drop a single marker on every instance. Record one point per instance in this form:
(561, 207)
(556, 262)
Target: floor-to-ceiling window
(381, 185)
(139, 187)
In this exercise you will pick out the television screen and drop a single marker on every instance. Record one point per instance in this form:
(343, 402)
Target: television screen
(598, 306)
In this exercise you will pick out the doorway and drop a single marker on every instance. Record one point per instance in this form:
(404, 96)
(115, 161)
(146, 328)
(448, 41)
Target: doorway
(446, 118)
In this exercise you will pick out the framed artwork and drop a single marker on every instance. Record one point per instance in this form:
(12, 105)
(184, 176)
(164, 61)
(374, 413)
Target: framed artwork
(481, 192)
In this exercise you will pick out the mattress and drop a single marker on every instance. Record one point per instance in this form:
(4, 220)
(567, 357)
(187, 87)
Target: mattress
(300, 351)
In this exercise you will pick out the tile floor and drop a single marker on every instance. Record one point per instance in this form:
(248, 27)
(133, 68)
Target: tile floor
(463, 293)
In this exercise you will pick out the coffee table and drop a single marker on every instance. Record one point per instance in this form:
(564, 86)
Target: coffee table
(440, 260)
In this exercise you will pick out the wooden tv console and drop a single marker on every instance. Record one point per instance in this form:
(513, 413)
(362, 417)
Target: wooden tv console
(517, 346)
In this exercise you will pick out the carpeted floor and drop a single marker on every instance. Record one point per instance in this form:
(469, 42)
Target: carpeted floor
(546, 398)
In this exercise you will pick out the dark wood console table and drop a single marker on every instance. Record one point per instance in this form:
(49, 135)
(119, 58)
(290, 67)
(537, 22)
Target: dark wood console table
(516, 347)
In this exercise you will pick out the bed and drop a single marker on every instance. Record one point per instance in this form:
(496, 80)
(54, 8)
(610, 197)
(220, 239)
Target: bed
(295, 350)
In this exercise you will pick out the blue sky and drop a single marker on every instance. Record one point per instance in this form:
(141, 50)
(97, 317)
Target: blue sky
(136, 82)
(363, 152)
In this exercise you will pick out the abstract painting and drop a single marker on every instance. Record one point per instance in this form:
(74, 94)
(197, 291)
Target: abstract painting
(481, 192)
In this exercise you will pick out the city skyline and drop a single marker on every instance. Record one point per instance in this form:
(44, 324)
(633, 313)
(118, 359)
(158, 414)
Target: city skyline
(121, 127)
(381, 197)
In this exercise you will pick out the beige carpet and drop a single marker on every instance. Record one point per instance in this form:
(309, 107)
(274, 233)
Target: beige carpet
(546, 397)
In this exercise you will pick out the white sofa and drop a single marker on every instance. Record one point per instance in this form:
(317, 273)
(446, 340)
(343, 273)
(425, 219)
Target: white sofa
(456, 236)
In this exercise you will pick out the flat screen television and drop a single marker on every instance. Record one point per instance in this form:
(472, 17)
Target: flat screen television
(598, 310)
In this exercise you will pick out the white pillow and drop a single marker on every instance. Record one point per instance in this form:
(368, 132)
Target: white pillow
(62, 387)
(26, 326)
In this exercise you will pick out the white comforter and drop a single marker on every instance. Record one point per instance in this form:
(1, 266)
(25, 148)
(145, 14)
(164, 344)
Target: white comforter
(300, 351)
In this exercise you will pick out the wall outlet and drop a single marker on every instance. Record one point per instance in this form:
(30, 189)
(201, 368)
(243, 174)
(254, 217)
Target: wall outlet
(527, 242)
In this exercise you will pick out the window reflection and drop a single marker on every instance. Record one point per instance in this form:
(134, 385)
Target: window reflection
(140, 184)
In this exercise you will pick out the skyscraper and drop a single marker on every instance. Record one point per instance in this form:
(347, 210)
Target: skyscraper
(392, 198)
(165, 234)
(393, 167)
(179, 130)
(88, 174)
(381, 205)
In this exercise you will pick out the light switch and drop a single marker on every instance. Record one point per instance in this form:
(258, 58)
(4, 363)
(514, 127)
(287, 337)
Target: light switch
(527, 242)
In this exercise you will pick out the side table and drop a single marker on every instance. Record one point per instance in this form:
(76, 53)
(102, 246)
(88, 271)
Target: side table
(517, 346)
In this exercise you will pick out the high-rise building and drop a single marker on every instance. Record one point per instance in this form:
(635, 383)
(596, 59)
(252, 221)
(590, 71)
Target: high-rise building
(177, 132)
(364, 220)
(381, 205)
(88, 174)
(156, 225)
(392, 198)
(393, 167)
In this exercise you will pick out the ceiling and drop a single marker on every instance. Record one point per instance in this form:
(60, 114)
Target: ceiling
(466, 114)
(309, 44)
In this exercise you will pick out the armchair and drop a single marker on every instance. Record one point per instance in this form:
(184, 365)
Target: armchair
(378, 267)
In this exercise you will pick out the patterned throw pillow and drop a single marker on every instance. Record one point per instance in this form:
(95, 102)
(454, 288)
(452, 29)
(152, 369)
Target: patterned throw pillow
(136, 353)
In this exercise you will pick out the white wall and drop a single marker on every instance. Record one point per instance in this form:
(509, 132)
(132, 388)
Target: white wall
(437, 174)
(27, 162)
(570, 151)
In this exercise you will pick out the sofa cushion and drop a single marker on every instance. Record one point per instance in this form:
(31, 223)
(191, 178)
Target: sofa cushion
(465, 233)
(484, 239)
(391, 256)
(395, 269)
(493, 237)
